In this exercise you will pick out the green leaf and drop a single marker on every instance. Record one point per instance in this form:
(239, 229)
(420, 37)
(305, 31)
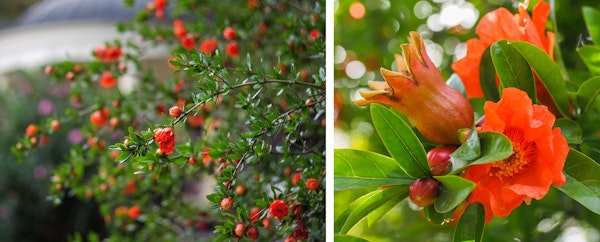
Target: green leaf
(588, 93)
(547, 71)
(470, 225)
(487, 77)
(470, 149)
(361, 169)
(453, 191)
(590, 55)
(512, 69)
(364, 205)
(400, 141)
(570, 130)
(124, 156)
(347, 238)
(376, 214)
(583, 181)
(592, 22)
(494, 147)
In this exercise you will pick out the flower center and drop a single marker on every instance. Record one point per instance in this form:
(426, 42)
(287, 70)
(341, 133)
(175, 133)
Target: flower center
(523, 154)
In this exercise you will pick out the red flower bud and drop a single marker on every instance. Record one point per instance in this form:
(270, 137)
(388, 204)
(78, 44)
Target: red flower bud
(252, 233)
(175, 111)
(134, 212)
(227, 203)
(439, 159)
(312, 184)
(229, 33)
(423, 192)
(240, 230)
(54, 125)
(419, 91)
(31, 130)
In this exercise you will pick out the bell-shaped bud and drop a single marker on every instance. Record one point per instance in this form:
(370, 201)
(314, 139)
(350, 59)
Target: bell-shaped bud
(439, 160)
(424, 191)
(419, 91)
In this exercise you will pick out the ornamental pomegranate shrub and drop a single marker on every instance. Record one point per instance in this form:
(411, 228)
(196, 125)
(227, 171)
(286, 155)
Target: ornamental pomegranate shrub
(208, 150)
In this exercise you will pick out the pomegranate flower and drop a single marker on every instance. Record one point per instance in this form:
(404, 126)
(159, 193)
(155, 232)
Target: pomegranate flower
(278, 209)
(166, 139)
(209, 46)
(419, 91)
(539, 154)
(501, 24)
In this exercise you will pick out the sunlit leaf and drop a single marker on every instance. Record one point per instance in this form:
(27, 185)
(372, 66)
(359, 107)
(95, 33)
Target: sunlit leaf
(400, 141)
(360, 169)
(364, 205)
(348, 238)
(590, 54)
(592, 22)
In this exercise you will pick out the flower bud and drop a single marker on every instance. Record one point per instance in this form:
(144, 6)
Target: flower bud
(424, 191)
(252, 233)
(240, 230)
(419, 91)
(439, 159)
(227, 203)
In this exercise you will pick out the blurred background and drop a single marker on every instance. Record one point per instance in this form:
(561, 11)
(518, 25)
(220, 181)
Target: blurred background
(34, 33)
(367, 35)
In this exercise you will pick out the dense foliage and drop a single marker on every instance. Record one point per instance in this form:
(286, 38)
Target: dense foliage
(230, 140)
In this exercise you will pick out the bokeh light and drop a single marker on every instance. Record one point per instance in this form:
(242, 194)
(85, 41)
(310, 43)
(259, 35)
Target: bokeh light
(357, 10)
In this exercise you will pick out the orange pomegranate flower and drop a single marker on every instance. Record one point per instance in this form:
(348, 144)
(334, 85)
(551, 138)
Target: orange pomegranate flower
(419, 91)
(539, 154)
(501, 24)
(165, 137)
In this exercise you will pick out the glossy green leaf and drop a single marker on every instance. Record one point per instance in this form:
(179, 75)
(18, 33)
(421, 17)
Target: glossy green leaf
(347, 238)
(590, 55)
(547, 71)
(588, 93)
(364, 205)
(470, 225)
(361, 169)
(494, 147)
(377, 213)
(400, 141)
(570, 130)
(453, 191)
(592, 22)
(512, 69)
(583, 182)
(470, 149)
(487, 77)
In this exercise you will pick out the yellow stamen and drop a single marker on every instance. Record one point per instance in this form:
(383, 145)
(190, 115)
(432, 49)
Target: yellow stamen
(523, 154)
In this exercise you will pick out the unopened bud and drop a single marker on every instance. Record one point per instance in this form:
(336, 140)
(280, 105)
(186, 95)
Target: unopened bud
(439, 160)
(423, 192)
